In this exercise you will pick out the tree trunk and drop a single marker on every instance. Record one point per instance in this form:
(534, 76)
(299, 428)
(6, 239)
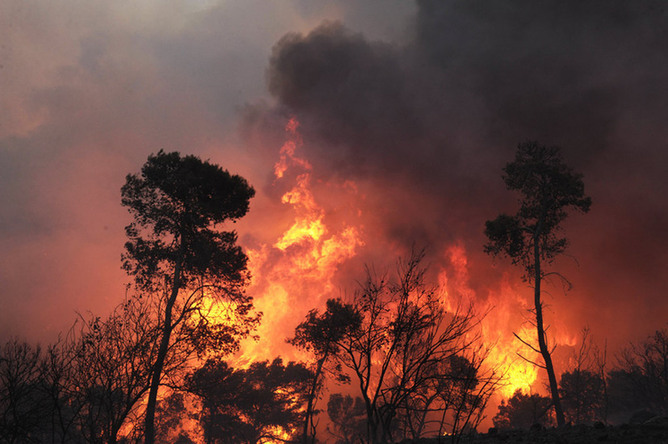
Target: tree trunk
(542, 342)
(311, 397)
(149, 422)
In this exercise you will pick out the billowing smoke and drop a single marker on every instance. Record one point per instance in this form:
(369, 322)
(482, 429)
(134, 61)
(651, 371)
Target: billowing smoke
(425, 125)
(407, 112)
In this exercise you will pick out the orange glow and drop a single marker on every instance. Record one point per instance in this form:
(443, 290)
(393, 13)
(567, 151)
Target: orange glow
(294, 273)
(281, 435)
(507, 312)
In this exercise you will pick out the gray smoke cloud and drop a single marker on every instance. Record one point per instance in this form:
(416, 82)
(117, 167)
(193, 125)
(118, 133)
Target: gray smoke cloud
(433, 118)
(420, 103)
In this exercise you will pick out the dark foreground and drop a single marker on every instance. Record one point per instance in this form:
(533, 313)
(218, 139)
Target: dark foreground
(654, 431)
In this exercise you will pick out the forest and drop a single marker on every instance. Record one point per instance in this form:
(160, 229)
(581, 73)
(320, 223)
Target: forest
(390, 362)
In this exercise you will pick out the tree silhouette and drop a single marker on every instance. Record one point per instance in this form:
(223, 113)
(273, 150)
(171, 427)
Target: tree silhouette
(21, 401)
(548, 189)
(58, 373)
(452, 400)
(321, 335)
(582, 393)
(177, 251)
(522, 411)
(583, 389)
(347, 416)
(263, 402)
(175, 416)
(112, 359)
(404, 332)
(640, 379)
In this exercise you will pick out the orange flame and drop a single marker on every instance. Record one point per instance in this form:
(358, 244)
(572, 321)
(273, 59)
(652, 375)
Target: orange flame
(507, 314)
(295, 273)
(501, 312)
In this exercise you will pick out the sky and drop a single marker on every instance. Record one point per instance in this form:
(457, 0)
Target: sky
(407, 112)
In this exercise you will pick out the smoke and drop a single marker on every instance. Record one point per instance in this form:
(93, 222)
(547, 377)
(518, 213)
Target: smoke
(412, 108)
(425, 124)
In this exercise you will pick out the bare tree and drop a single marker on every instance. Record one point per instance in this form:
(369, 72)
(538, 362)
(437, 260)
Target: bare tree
(58, 374)
(113, 359)
(405, 332)
(21, 403)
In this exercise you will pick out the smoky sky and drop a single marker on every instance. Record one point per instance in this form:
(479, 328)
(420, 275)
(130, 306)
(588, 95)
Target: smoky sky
(419, 103)
(88, 89)
(434, 117)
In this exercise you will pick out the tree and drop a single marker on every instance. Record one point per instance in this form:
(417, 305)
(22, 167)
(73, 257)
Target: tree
(321, 335)
(176, 416)
(453, 400)
(640, 379)
(265, 401)
(582, 393)
(21, 402)
(522, 411)
(583, 389)
(58, 372)
(405, 331)
(112, 363)
(177, 250)
(464, 392)
(347, 416)
(549, 189)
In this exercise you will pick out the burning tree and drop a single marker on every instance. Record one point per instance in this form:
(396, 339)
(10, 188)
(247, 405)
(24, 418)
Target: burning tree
(548, 189)
(177, 252)
(401, 335)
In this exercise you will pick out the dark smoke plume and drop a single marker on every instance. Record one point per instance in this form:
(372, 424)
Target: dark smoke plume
(433, 119)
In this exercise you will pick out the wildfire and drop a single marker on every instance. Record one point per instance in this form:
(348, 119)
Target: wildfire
(501, 313)
(279, 436)
(295, 273)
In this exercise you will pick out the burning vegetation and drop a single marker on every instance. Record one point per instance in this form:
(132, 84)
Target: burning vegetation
(194, 354)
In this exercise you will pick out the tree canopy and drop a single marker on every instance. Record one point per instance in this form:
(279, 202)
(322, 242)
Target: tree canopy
(548, 190)
(177, 204)
(176, 248)
(250, 405)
